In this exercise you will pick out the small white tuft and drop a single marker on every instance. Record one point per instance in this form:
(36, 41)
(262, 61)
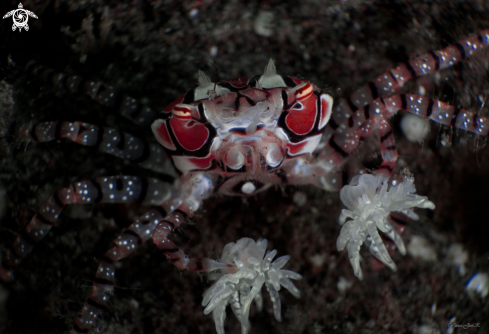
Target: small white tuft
(203, 79)
(206, 88)
(253, 268)
(369, 203)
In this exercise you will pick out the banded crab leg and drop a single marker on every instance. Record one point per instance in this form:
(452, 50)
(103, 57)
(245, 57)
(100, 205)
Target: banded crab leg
(374, 115)
(108, 140)
(112, 189)
(157, 223)
(393, 80)
(127, 106)
(195, 189)
(350, 123)
(135, 235)
(362, 227)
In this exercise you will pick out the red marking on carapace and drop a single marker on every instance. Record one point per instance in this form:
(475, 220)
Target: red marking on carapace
(190, 134)
(295, 149)
(301, 122)
(202, 163)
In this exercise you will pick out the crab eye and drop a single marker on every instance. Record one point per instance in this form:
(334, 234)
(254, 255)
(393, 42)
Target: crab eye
(303, 91)
(181, 111)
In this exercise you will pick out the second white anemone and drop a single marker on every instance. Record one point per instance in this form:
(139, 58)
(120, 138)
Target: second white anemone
(253, 268)
(370, 201)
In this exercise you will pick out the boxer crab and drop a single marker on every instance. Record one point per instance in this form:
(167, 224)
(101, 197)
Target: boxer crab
(239, 137)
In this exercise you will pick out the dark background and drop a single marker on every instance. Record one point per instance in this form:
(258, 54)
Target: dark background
(151, 50)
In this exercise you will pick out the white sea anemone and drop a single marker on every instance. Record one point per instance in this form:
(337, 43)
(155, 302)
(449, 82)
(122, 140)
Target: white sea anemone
(370, 201)
(253, 268)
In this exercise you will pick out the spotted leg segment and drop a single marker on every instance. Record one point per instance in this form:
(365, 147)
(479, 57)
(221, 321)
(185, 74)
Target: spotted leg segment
(343, 144)
(157, 223)
(437, 111)
(393, 80)
(106, 95)
(374, 115)
(135, 235)
(388, 151)
(120, 144)
(113, 189)
(196, 188)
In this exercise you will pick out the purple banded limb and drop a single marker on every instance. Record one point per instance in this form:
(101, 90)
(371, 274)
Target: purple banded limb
(135, 235)
(393, 80)
(174, 253)
(120, 144)
(195, 189)
(157, 224)
(112, 189)
(127, 106)
(373, 116)
(437, 111)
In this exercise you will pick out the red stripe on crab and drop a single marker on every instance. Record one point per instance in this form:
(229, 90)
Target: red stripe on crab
(303, 93)
(190, 134)
(295, 149)
(302, 116)
(202, 163)
(186, 164)
(306, 146)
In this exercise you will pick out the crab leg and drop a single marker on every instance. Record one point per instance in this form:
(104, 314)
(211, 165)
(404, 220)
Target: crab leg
(197, 188)
(105, 95)
(360, 125)
(393, 80)
(112, 189)
(157, 224)
(437, 111)
(135, 235)
(120, 144)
